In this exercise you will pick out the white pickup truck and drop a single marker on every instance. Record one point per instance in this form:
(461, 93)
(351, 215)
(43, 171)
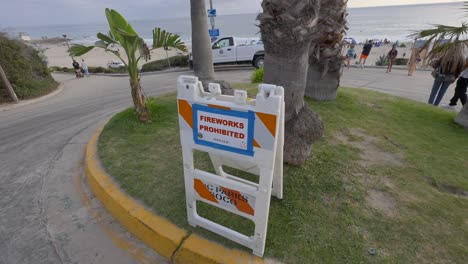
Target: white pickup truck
(232, 50)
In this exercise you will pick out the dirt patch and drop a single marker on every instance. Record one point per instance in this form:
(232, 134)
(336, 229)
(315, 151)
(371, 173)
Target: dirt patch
(372, 105)
(449, 188)
(432, 253)
(370, 153)
(382, 202)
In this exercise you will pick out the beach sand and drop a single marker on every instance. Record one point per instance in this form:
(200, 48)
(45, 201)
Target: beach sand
(376, 52)
(57, 55)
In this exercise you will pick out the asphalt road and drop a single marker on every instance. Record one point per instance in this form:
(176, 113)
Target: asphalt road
(47, 214)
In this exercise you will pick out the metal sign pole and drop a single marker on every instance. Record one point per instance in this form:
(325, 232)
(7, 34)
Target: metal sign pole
(212, 19)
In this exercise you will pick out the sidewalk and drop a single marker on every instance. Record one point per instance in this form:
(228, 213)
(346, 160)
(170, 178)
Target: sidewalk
(416, 87)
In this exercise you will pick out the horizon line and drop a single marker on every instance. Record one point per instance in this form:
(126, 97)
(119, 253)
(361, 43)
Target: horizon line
(363, 7)
(230, 14)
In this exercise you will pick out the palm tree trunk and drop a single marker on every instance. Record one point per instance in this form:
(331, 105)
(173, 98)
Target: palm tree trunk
(325, 55)
(139, 101)
(201, 43)
(462, 117)
(7, 85)
(286, 28)
(167, 57)
(323, 78)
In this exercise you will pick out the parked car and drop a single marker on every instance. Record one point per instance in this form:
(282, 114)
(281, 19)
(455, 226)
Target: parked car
(232, 50)
(115, 64)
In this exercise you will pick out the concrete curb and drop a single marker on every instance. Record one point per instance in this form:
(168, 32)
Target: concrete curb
(175, 70)
(164, 237)
(31, 101)
(126, 74)
(394, 68)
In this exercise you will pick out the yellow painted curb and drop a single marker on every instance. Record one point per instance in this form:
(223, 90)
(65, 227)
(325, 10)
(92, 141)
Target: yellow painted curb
(158, 233)
(198, 250)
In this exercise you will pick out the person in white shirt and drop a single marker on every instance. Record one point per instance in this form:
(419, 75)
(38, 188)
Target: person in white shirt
(460, 90)
(84, 67)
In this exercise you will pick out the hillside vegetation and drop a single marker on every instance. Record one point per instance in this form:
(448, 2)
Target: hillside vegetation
(25, 69)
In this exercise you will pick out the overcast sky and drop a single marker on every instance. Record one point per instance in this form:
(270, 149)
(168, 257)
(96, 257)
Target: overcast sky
(48, 12)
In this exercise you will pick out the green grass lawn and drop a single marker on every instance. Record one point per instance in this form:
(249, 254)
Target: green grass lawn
(381, 178)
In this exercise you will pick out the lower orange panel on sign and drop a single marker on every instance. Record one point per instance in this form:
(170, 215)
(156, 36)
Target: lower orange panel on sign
(225, 197)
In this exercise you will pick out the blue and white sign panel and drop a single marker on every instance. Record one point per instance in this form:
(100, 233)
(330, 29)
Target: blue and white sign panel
(211, 12)
(227, 130)
(214, 32)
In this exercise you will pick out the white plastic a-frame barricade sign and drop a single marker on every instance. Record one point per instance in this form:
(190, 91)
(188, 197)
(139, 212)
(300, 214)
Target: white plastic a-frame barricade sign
(238, 132)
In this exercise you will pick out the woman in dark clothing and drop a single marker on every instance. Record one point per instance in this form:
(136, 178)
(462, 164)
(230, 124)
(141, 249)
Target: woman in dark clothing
(446, 71)
(77, 68)
(391, 56)
(460, 90)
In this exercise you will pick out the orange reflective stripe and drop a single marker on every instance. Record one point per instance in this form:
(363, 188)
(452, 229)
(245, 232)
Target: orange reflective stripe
(203, 191)
(185, 110)
(219, 107)
(255, 143)
(237, 199)
(269, 121)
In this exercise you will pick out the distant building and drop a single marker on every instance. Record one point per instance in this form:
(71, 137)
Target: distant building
(24, 37)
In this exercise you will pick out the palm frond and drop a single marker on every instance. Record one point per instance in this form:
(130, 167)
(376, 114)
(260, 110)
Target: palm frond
(449, 46)
(77, 50)
(164, 39)
(109, 39)
(443, 38)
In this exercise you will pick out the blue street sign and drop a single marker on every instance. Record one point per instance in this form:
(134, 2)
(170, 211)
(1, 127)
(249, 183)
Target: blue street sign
(214, 32)
(211, 12)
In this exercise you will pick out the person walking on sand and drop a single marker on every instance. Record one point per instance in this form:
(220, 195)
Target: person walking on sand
(460, 90)
(84, 67)
(446, 71)
(365, 53)
(350, 54)
(391, 56)
(77, 68)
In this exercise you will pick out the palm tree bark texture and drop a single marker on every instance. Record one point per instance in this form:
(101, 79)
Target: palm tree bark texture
(201, 43)
(325, 59)
(286, 27)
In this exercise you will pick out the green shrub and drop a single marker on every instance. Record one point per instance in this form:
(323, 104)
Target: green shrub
(66, 69)
(381, 61)
(257, 76)
(401, 61)
(55, 69)
(121, 69)
(26, 70)
(159, 65)
(402, 45)
(96, 69)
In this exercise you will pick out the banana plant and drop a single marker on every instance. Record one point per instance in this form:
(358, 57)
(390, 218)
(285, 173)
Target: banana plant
(121, 34)
(164, 39)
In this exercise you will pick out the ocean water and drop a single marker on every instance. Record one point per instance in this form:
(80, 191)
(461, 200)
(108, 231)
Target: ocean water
(394, 23)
